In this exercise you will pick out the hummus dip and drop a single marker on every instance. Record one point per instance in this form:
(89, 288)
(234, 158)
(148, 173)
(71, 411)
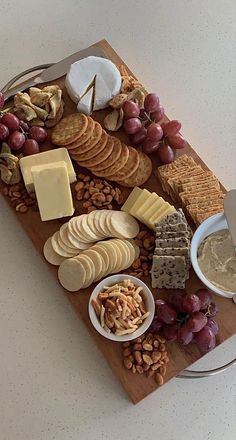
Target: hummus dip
(217, 260)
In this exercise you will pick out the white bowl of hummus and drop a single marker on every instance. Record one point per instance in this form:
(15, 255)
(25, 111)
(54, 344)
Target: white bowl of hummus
(213, 256)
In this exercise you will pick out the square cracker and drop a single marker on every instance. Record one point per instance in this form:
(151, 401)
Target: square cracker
(172, 242)
(169, 272)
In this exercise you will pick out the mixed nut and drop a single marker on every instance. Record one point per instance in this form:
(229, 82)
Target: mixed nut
(146, 354)
(142, 265)
(20, 199)
(96, 193)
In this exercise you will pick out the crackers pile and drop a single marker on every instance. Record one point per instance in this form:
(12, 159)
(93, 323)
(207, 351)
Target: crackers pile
(81, 232)
(104, 155)
(171, 259)
(91, 265)
(197, 189)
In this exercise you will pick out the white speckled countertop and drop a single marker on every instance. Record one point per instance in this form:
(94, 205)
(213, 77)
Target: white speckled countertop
(54, 383)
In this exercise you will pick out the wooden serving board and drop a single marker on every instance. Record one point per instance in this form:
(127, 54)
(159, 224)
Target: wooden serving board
(137, 386)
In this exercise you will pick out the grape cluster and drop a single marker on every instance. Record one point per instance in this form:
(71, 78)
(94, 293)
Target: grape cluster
(144, 128)
(18, 134)
(187, 318)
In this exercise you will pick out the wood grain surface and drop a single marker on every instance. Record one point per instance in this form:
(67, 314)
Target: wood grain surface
(137, 386)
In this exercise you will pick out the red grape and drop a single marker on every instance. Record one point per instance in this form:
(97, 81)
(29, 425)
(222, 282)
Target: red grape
(11, 121)
(131, 109)
(132, 125)
(24, 126)
(177, 141)
(149, 146)
(170, 332)
(171, 128)
(175, 299)
(30, 146)
(212, 309)
(159, 302)
(39, 134)
(196, 322)
(154, 132)
(166, 154)
(213, 325)
(16, 140)
(151, 102)
(166, 314)
(158, 114)
(205, 297)
(156, 325)
(4, 132)
(205, 339)
(2, 100)
(184, 335)
(191, 303)
(139, 137)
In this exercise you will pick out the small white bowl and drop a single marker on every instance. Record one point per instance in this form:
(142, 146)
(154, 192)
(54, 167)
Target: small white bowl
(212, 224)
(113, 279)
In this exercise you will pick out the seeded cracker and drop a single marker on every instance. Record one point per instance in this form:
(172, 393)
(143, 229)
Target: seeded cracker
(169, 272)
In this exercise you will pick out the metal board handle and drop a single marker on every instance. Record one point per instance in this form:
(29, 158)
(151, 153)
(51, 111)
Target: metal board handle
(192, 374)
(8, 91)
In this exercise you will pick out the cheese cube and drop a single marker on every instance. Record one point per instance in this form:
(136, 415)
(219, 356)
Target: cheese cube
(131, 199)
(46, 157)
(52, 187)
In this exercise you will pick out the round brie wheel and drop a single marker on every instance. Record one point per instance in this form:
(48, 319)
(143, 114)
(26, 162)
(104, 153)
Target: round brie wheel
(97, 72)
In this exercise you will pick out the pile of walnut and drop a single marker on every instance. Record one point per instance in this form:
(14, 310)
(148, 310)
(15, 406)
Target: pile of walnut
(146, 354)
(96, 193)
(20, 200)
(142, 266)
(42, 107)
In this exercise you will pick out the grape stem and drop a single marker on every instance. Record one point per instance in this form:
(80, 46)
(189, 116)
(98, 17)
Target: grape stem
(6, 110)
(147, 117)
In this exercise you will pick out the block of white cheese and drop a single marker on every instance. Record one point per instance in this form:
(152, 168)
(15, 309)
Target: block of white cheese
(104, 73)
(85, 104)
(52, 188)
(46, 157)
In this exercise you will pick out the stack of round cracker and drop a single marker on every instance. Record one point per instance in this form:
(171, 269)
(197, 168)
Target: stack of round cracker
(81, 232)
(104, 155)
(105, 257)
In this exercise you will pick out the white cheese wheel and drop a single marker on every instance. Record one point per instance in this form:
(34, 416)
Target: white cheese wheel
(82, 74)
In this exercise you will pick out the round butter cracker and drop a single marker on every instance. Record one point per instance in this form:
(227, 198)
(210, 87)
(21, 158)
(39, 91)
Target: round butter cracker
(74, 146)
(69, 129)
(112, 158)
(129, 168)
(120, 163)
(50, 255)
(141, 175)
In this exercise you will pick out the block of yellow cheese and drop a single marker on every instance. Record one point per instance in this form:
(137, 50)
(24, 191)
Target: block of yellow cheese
(52, 188)
(46, 157)
(156, 205)
(139, 202)
(135, 193)
(150, 199)
(165, 210)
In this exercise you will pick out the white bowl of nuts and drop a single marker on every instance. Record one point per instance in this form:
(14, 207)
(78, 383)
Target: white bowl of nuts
(121, 307)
